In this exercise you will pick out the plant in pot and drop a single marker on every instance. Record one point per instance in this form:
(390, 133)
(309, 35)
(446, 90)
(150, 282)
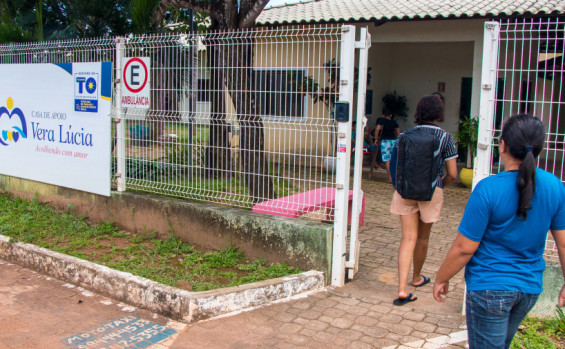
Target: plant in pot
(467, 137)
(397, 104)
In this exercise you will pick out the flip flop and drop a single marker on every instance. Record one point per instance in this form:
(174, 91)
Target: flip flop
(426, 280)
(401, 301)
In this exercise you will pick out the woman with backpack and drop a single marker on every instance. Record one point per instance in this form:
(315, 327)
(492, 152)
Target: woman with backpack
(502, 238)
(418, 179)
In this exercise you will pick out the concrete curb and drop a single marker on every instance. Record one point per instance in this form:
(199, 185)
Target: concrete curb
(171, 302)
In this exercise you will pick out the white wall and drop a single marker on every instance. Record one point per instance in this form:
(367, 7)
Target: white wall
(417, 69)
(412, 57)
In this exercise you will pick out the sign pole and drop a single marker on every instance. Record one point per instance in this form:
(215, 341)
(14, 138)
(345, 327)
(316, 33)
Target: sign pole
(120, 121)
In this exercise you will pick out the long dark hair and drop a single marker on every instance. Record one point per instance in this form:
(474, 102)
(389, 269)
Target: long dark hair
(428, 109)
(524, 136)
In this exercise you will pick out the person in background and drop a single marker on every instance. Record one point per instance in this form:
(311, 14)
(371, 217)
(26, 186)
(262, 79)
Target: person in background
(386, 133)
(417, 217)
(502, 237)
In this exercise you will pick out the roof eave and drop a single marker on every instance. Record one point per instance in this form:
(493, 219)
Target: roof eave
(382, 20)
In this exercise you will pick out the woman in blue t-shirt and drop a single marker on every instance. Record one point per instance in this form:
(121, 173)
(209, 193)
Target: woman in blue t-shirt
(502, 237)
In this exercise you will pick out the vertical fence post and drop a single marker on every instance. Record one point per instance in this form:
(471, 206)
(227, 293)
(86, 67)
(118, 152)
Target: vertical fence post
(120, 120)
(483, 161)
(363, 45)
(347, 63)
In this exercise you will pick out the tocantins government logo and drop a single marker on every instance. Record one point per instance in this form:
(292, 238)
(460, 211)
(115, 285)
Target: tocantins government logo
(12, 123)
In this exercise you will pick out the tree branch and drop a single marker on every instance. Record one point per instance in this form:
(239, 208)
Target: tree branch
(202, 6)
(247, 18)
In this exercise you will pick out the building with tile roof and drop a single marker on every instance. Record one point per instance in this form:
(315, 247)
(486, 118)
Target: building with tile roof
(418, 46)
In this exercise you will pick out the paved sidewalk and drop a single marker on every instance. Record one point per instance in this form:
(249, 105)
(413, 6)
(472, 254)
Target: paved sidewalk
(38, 312)
(361, 314)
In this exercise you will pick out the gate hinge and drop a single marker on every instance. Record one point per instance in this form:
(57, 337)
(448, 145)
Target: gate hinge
(118, 175)
(490, 26)
(487, 86)
(339, 186)
(362, 44)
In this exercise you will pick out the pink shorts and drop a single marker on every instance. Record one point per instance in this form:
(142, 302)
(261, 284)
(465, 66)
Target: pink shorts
(429, 210)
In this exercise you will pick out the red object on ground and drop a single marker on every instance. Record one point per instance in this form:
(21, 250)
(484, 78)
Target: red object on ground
(296, 205)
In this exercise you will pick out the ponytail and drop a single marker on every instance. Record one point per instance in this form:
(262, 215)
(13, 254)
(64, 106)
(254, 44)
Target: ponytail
(524, 136)
(526, 184)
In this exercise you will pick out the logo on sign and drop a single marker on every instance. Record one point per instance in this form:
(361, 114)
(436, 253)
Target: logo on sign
(12, 123)
(86, 92)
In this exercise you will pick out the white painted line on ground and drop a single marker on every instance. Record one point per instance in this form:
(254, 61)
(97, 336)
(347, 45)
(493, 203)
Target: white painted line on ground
(434, 343)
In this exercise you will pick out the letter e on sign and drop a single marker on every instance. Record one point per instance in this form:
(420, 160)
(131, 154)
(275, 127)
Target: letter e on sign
(136, 82)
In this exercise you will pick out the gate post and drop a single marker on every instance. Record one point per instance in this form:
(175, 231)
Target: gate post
(483, 161)
(120, 120)
(363, 45)
(346, 69)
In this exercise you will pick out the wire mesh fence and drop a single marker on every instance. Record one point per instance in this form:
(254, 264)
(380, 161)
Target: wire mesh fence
(235, 118)
(61, 51)
(530, 79)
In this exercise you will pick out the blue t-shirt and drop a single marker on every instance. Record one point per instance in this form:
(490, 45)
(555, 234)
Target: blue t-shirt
(510, 253)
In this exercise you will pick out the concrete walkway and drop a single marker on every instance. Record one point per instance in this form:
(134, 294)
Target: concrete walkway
(38, 312)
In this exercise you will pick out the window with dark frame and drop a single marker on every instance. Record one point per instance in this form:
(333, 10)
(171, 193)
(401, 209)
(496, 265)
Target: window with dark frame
(277, 92)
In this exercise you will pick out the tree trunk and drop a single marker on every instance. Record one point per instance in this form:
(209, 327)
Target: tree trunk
(218, 153)
(241, 84)
(234, 59)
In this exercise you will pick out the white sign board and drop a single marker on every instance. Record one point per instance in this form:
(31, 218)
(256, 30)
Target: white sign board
(136, 82)
(55, 124)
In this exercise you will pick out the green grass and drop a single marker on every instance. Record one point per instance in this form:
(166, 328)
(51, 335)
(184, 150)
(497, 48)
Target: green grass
(201, 133)
(536, 333)
(168, 261)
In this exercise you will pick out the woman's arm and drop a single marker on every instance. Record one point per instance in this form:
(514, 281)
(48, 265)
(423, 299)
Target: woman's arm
(378, 132)
(396, 133)
(451, 166)
(559, 237)
(459, 254)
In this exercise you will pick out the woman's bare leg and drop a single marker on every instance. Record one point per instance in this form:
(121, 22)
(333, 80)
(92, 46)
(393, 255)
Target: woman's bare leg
(421, 250)
(387, 166)
(405, 252)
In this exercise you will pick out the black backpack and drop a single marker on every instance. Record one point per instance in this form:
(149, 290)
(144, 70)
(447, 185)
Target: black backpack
(418, 163)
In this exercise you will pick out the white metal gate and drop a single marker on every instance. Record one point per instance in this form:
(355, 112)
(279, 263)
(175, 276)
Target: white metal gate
(348, 48)
(523, 73)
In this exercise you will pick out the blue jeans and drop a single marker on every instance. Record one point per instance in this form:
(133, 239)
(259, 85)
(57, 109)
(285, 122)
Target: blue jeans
(493, 317)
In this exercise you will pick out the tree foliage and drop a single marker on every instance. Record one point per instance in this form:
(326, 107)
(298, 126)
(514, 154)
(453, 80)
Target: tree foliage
(224, 14)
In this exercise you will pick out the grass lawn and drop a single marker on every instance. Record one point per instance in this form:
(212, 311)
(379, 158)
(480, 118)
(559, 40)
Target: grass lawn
(170, 262)
(537, 333)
